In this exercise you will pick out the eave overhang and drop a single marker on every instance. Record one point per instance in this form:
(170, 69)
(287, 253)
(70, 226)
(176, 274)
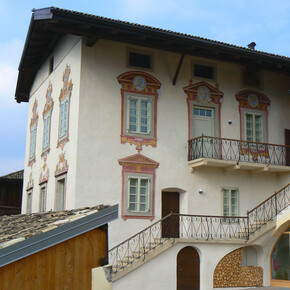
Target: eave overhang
(48, 25)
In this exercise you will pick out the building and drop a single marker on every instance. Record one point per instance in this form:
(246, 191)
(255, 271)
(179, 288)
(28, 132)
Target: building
(11, 186)
(54, 250)
(161, 122)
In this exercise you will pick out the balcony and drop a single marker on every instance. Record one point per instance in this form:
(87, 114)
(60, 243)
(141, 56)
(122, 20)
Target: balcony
(233, 154)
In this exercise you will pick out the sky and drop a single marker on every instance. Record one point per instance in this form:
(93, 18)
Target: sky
(238, 22)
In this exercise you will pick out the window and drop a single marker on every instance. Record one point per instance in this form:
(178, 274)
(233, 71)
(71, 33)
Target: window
(252, 77)
(32, 142)
(29, 202)
(138, 194)
(230, 205)
(139, 115)
(139, 59)
(63, 126)
(253, 126)
(46, 132)
(42, 202)
(138, 199)
(60, 193)
(204, 71)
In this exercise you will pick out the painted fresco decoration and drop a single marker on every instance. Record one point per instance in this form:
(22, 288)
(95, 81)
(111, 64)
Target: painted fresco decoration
(62, 165)
(250, 99)
(44, 174)
(30, 182)
(203, 92)
(49, 101)
(34, 118)
(138, 165)
(138, 82)
(65, 92)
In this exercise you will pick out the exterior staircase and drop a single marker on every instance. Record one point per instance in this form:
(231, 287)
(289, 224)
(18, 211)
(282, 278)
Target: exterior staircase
(161, 235)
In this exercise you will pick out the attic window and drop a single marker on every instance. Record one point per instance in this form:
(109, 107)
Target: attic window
(204, 71)
(51, 65)
(141, 60)
(252, 77)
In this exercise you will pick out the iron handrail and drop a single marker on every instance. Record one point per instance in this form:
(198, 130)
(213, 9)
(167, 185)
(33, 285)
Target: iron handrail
(205, 227)
(237, 150)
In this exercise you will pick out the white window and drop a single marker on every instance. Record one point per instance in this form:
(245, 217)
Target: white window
(139, 115)
(63, 126)
(60, 193)
(29, 202)
(46, 132)
(138, 194)
(254, 125)
(230, 197)
(32, 142)
(42, 206)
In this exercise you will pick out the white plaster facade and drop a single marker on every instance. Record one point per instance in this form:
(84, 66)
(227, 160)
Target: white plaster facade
(94, 175)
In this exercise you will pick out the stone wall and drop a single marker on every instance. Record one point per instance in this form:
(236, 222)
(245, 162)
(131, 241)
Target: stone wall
(230, 273)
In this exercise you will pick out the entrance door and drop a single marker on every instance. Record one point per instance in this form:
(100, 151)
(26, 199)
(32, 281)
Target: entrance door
(287, 142)
(188, 269)
(170, 203)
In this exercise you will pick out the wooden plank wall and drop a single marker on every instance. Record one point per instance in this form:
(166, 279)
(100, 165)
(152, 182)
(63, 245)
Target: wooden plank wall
(64, 266)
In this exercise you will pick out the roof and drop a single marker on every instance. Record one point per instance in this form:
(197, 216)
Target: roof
(48, 25)
(25, 234)
(13, 175)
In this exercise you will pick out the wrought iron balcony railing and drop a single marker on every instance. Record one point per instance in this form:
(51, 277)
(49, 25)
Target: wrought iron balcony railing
(238, 150)
(198, 227)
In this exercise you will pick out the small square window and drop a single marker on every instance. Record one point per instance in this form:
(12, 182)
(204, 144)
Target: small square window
(139, 59)
(252, 77)
(204, 71)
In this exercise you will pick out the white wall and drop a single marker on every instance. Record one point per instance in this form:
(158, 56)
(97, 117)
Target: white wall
(67, 52)
(99, 177)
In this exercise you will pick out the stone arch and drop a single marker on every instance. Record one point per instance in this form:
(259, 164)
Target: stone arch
(229, 272)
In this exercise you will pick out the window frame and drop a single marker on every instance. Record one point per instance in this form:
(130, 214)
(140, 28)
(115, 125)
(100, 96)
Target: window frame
(42, 199)
(230, 189)
(137, 51)
(252, 112)
(150, 99)
(138, 213)
(60, 179)
(29, 200)
(208, 64)
(32, 146)
(47, 147)
(63, 135)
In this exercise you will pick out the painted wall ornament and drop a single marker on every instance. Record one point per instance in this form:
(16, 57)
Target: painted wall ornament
(145, 85)
(139, 83)
(30, 182)
(44, 174)
(49, 101)
(34, 118)
(253, 100)
(62, 165)
(203, 94)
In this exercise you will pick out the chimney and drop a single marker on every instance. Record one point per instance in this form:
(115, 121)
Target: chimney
(252, 45)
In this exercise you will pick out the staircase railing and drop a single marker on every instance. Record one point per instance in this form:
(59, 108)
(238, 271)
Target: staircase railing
(268, 209)
(200, 227)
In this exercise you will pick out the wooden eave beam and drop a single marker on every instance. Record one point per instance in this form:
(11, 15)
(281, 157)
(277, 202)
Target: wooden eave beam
(91, 40)
(178, 68)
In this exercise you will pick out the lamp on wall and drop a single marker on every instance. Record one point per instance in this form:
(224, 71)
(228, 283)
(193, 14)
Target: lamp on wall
(200, 191)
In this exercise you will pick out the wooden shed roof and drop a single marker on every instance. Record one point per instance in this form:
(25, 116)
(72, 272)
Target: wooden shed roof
(25, 234)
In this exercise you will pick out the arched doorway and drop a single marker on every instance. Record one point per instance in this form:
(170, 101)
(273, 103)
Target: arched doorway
(188, 269)
(280, 261)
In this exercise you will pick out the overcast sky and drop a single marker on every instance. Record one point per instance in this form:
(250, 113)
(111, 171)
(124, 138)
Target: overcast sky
(237, 22)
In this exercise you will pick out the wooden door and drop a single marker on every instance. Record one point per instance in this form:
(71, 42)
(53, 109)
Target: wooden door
(170, 203)
(188, 269)
(287, 142)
